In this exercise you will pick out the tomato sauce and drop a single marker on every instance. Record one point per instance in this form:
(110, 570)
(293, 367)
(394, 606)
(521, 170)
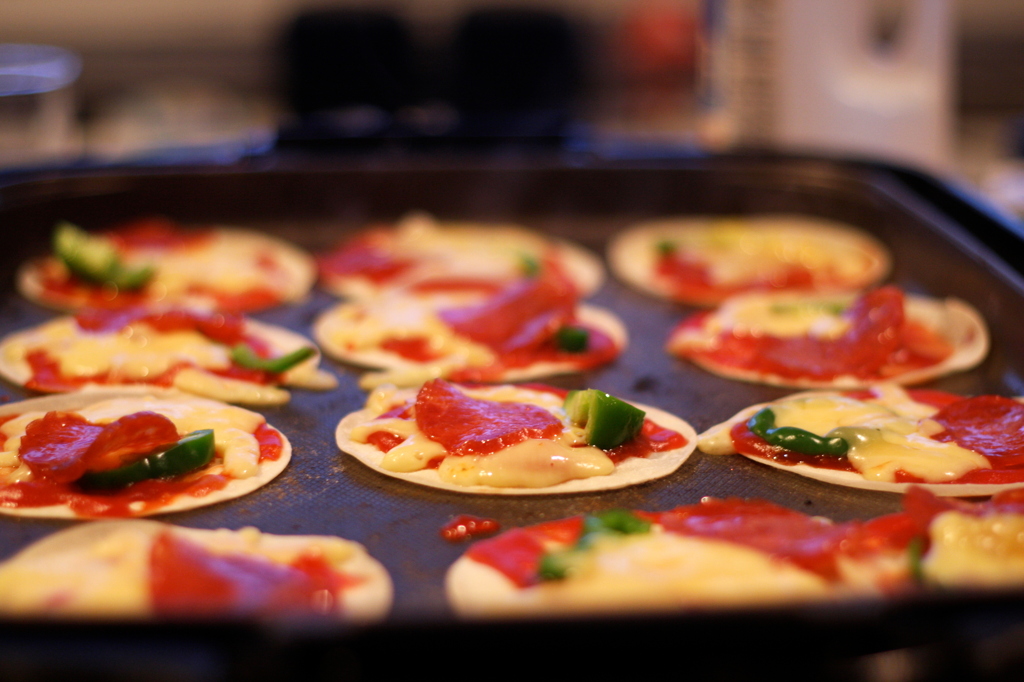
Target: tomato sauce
(188, 579)
(135, 500)
(879, 344)
(690, 279)
(517, 553)
(466, 526)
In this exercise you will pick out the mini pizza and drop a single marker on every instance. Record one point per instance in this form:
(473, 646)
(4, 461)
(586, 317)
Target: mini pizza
(217, 355)
(884, 438)
(705, 260)
(425, 257)
(717, 553)
(126, 453)
(526, 439)
(833, 341)
(157, 261)
(534, 327)
(145, 569)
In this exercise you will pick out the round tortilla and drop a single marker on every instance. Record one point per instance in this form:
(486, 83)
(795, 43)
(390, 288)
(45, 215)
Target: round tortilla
(477, 250)
(405, 372)
(70, 402)
(633, 253)
(63, 559)
(628, 472)
(233, 390)
(233, 250)
(954, 320)
(849, 479)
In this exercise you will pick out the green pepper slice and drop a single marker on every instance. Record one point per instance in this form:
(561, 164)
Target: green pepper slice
(572, 339)
(95, 259)
(665, 248)
(795, 439)
(244, 356)
(559, 565)
(190, 453)
(607, 422)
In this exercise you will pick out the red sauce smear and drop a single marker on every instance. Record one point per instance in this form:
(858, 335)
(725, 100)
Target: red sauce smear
(879, 344)
(990, 425)
(690, 279)
(362, 257)
(799, 539)
(55, 489)
(466, 527)
(156, 233)
(186, 579)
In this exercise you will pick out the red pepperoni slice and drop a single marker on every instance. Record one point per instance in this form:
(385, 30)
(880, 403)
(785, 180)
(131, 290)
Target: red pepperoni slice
(361, 258)
(522, 317)
(517, 553)
(802, 540)
(187, 579)
(156, 233)
(224, 328)
(465, 425)
(54, 446)
(129, 438)
(990, 425)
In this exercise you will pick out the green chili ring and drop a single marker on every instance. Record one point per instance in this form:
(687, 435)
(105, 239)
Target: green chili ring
(795, 439)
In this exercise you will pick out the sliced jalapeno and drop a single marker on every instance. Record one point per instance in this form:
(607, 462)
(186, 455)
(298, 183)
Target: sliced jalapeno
(245, 356)
(559, 565)
(190, 453)
(606, 421)
(795, 439)
(572, 339)
(95, 259)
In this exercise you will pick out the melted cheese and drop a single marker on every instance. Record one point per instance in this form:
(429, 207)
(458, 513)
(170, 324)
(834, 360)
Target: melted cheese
(534, 463)
(887, 434)
(969, 550)
(233, 429)
(781, 316)
(227, 263)
(666, 571)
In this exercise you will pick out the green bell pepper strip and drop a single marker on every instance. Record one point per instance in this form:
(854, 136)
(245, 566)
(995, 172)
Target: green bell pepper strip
(558, 565)
(607, 422)
(572, 339)
(94, 259)
(795, 439)
(190, 453)
(665, 248)
(243, 355)
(529, 265)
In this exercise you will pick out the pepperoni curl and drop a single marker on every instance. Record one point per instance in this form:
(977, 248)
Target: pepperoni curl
(186, 579)
(54, 446)
(130, 438)
(468, 426)
(990, 425)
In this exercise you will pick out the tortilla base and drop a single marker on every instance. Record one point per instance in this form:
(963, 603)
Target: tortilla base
(236, 487)
(632, 254)
(368, 600)
(955, 320)
(849, 479)
(631, 471)
(299, 264)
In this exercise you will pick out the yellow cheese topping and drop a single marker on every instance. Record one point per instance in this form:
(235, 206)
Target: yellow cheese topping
(233, 429)
(666, 571)
(533, 463)
(982, 551)
(736, 252)
(782, 316)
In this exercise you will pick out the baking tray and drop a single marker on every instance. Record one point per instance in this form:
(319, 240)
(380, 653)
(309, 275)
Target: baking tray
(943, 245)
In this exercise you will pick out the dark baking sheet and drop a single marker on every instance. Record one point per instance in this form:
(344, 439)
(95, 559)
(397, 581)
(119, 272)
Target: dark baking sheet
(314, 203)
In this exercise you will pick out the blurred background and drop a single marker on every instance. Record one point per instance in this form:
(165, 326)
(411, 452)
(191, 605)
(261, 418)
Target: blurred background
(929, 83)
